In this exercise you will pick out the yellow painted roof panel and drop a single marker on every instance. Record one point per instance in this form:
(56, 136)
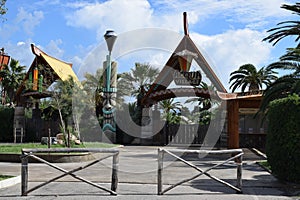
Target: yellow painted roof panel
(62, 69)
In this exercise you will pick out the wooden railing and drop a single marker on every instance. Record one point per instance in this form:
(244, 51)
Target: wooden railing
(237, 156)
(29, 153)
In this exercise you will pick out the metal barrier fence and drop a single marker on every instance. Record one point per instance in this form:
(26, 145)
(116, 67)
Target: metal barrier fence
(237, 156)
(29, 153)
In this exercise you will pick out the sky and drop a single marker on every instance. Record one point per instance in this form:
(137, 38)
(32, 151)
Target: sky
(228, 33)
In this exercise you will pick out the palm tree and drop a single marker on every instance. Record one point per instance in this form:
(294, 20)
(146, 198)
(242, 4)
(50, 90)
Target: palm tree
(136, 83)
(286, 28)
(93, 87)
(12, 76)
(248, 76)
(287, 84)
(170, 109)
(139, 78)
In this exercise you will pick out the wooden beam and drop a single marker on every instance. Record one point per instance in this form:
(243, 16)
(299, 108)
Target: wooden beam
(249, 103)
(233, 123)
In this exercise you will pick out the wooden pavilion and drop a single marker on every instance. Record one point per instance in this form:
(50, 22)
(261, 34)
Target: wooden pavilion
(43, 72)
(237, 104)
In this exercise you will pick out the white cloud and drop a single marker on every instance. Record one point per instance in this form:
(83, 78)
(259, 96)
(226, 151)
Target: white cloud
(53, 48)
(21, 43)
(228, 51)
(20, 51)
(29, 21)
(118, 15)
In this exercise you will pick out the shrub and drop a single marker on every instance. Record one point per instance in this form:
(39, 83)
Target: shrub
(283, 138)
(6, 124)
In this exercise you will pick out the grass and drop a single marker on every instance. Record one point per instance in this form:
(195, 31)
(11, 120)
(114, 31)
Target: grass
(3, 177)
(17, 148)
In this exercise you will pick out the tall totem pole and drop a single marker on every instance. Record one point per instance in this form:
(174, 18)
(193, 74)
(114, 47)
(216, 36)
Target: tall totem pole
(109, 89)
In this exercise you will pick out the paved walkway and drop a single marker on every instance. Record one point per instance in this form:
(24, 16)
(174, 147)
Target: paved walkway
(138, 179)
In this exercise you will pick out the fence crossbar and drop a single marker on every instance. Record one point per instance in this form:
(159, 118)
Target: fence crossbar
(237, 156)
(26, 153)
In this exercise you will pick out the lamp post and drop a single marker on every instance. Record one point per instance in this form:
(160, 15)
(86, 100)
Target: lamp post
(109, 88)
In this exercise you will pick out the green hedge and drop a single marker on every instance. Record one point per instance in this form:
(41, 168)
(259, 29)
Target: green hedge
(283, 138)
(6, 124)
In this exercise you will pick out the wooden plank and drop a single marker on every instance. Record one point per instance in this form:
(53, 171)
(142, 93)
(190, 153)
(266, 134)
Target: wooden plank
(233, 124)
(70, 150)
(238, 156)
(114, 176)
(73, 175)
(225, 151)
(159, 171)
(24, 175)
(239, 173)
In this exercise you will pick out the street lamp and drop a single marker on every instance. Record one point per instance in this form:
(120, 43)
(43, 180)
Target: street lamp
(110, 38)
(109, 88)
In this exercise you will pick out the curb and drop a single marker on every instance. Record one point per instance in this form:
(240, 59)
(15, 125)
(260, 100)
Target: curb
(10, 182)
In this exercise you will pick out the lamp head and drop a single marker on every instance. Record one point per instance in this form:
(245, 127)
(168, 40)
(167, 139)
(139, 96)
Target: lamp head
(110, 38)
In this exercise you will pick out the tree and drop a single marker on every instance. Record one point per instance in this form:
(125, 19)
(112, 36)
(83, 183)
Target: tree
(136, 83)
(287, 84)
(3, 9)
(139, 78)
(170, 110)
(286, 28)
(93, 85)
(62, 101)
(12, 76)
(248, 76)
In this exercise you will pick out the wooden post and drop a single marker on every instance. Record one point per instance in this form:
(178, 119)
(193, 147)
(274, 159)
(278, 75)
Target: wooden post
(15, 135)
(159, 171)
(233, 124)
(49, 138)
(239, 172)
(114, 178)
(24, 175)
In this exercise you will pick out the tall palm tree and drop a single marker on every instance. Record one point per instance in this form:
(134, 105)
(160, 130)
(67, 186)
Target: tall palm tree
(93, 86)
(286, 28)
(290, 61)
(248, 76)
(140, 77)
(170, 109)
(287, 84)
(136, 83)
(12, 76)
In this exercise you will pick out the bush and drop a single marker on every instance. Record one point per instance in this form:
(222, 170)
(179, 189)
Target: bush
(6, 124)
(283, 138)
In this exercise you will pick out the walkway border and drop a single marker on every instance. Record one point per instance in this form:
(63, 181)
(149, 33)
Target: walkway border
(26, 153)
(237, 155)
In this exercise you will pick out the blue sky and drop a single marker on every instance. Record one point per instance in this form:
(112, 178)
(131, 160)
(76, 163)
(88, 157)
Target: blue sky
(229, 32)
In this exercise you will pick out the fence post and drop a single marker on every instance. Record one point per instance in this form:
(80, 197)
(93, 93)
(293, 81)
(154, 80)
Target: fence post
(159, 171)
(24, 174)
(114, 178)
(239, 172)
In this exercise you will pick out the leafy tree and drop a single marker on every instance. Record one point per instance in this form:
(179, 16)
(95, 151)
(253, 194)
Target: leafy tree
(12, 76)
(248, 76)
(286, 28)
(170, 110)
(139, 78)
(3, 9)
(287, 84)
(62, 101)
(136, 83)
(93, 84)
